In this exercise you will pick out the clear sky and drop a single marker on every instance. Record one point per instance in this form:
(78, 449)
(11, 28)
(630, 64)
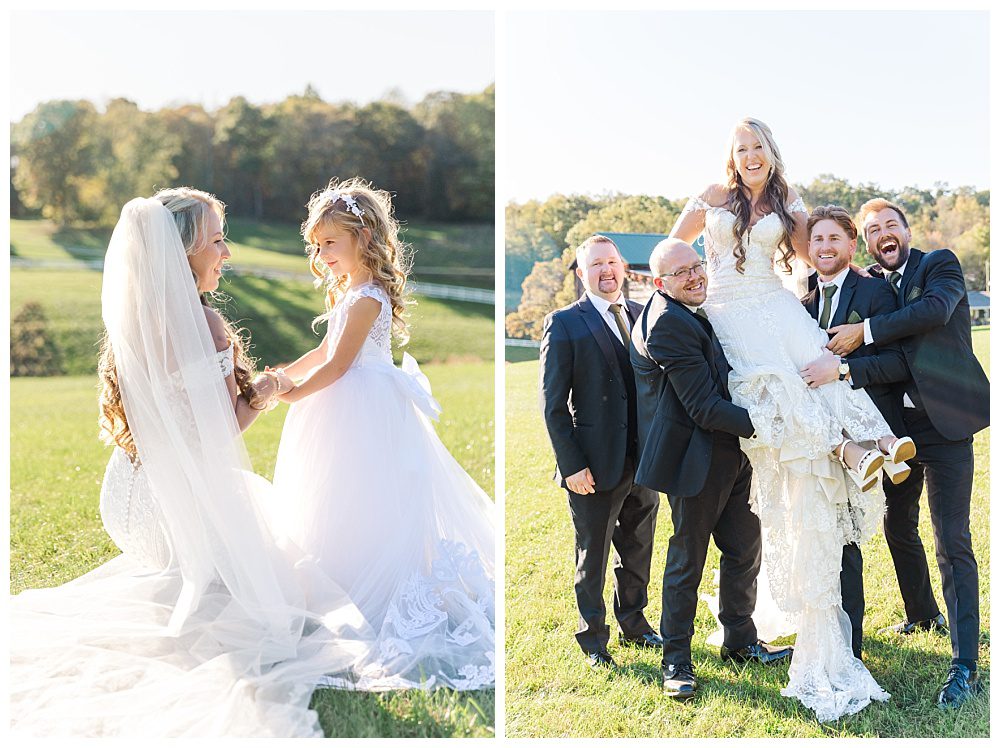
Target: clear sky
(207, 57)
(643, 102)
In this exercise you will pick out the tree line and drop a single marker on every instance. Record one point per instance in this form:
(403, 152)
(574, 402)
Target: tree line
(541, 235)
(76, 164)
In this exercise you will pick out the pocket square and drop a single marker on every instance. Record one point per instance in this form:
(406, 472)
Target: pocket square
(853, 317)
(915, 293)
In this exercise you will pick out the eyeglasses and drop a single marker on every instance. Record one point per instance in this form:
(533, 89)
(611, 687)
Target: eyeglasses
(683, 272)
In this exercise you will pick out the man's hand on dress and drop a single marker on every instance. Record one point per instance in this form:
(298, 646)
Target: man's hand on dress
(846, 338)
(582, 482)
(821, 371)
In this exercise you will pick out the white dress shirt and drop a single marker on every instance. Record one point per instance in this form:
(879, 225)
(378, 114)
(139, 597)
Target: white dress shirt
(907, 402)
(603, 308)
(838, 281)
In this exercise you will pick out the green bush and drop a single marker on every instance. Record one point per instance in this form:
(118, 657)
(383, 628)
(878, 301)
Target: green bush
(33, 352)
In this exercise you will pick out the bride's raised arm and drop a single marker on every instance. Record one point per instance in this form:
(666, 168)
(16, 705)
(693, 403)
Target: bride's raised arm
(800, 239)
(691, 222)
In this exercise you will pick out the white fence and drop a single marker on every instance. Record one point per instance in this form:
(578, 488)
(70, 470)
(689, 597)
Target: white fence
(521, 343)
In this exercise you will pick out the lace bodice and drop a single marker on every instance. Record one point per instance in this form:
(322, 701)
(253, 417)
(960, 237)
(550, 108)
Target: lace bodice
(378, 344)
(131, 514)
(760, 272)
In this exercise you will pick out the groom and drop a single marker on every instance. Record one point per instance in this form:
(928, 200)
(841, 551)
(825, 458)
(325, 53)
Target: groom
(689, 435)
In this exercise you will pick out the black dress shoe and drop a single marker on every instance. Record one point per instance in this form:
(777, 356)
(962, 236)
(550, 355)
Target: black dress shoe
(600, 659)
(679, 681)
(960, 686)
(760, 652)
(649, 640)
(905, 628)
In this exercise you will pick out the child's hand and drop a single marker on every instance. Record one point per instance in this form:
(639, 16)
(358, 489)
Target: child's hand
(283, 381)
(264, 389)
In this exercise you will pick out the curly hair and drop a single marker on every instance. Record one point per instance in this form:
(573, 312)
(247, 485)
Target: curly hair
(190, 209)
(384, 255)
(774, 198)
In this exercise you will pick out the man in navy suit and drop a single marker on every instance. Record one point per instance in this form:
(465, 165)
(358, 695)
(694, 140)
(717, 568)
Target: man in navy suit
(841, 295)
(689, 433)
(589, 403)
(945, 403)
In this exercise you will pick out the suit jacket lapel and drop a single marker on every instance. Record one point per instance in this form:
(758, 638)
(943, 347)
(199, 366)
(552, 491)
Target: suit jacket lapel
(718, 362)
(598, 329)
(633, 309)
(846, 294)
(812, 303)
(912, 263)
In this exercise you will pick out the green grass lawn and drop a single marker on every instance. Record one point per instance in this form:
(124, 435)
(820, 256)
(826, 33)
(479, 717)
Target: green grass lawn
(550, 692)
(56, 467)
(456, 254)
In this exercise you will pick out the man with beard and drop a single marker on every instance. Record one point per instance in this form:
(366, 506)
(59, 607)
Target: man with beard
(839, 296)
(588, 401)
(945, 403)
(690, 449)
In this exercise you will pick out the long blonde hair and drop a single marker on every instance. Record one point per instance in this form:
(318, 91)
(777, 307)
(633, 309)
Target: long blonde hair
(384, 255)
(190, 209)
(774, 199)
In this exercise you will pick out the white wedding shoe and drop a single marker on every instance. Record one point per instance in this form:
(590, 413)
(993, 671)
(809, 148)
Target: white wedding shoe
(902, 449)
(895, 466)
(896, 472)
(866, 475)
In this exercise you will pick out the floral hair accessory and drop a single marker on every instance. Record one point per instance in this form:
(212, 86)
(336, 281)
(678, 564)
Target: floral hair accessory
(352, 205)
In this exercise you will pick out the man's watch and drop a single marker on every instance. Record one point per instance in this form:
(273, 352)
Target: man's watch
(844, 370)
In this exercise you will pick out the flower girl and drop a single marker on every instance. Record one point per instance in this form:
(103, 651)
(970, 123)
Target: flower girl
(365, 485)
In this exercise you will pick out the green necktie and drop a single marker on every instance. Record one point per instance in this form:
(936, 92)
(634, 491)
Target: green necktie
(620, 320)
(828, 292)
(700, 311)
(894, 280)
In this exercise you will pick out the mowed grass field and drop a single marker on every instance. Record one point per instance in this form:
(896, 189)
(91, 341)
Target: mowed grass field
(57, 462)
(550, 691)
(276, 313)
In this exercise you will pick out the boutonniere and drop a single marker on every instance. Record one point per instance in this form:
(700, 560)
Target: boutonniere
(853, 317)
(915, 293)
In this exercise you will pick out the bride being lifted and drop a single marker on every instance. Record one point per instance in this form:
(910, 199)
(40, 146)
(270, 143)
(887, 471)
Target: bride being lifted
(810, 506)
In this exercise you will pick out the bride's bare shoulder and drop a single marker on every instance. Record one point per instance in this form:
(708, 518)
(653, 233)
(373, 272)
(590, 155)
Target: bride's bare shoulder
(716, 195)
(216, 326)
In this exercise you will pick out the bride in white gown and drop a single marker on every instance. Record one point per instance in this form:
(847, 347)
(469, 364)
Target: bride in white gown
(205, 625)
(808, 505)
(367, 488)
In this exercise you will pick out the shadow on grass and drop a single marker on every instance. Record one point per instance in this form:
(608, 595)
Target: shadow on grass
(84, 244)
(405, 714)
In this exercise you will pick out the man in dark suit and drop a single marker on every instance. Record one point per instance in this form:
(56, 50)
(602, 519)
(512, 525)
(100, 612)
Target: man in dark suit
(945, 403)
(588, 400)
(689, 433)
(839, 296)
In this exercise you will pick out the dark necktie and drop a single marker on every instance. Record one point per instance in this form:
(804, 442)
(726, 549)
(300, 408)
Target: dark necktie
(824, 317)
(701, 313)
(894, 280)
(620, 321)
